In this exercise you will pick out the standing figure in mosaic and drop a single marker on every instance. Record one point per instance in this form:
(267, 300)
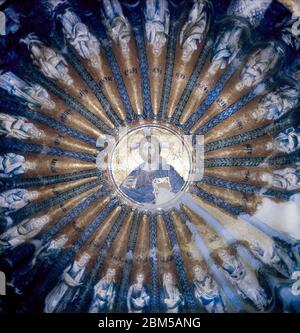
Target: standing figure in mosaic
(284, 179)
(78, 35)
(24, 231)
(138, 298)
(260, 63)
(207, 292)
(275, 256)
(15, 199)
(67, 288)
(33, 95)
(51, 63)
(172, 299)
(157, 25)
(245, 281)
(277, 103)
(12, 165)
(18, 127)
(104, 293)
(226, 47)
(117, 24)
(288, 141)
(193, 31)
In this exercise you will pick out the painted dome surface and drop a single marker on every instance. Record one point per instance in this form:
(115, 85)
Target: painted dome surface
(149, 156)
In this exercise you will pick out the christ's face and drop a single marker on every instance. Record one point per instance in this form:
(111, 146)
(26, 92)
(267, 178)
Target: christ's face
(149, 150)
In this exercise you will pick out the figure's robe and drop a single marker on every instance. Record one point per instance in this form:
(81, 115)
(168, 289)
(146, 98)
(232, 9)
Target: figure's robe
(133, 294)
(11, 165)
(12, 200)
(63, 290)
(289, 140)
(175, 298)
(211, 299)
(143, 190)
(246, 284)
(104, 294)
(16, 127)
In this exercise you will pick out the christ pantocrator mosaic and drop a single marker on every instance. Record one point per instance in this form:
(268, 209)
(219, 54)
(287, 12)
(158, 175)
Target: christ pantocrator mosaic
(109, 200)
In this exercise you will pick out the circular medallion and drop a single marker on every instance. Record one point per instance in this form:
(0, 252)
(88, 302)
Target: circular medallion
(150, 166)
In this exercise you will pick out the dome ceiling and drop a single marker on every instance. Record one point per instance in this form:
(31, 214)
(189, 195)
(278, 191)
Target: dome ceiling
(150, 156)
